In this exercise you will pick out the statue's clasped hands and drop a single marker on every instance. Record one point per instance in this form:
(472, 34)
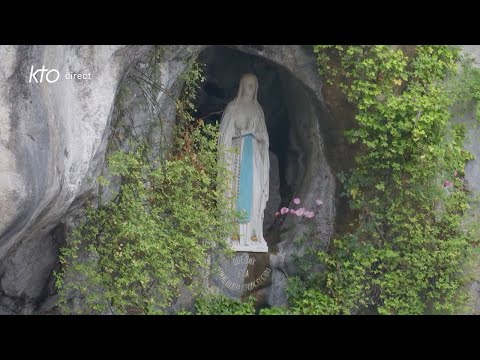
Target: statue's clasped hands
(246, 132)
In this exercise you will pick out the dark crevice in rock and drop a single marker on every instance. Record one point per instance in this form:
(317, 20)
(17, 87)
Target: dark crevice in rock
(46, 301)
(11, 305)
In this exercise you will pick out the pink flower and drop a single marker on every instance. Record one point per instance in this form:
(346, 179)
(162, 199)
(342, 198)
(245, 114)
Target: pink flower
(300, 211)
(277, 213)
(319, 202)
(455, 173)
(309, 214)
(292, 211)
(296, 201)
(284, 210)
(447, 183)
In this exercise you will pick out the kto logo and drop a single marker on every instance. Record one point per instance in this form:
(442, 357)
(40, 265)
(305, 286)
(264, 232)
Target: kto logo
(51, 78)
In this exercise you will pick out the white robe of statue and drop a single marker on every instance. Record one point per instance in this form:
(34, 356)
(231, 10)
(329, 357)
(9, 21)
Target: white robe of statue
(243, 127)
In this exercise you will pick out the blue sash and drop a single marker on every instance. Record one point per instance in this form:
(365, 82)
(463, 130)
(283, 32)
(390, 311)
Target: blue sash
(246, 179)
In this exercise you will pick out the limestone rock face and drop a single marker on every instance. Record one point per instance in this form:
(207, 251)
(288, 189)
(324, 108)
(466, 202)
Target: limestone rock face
(472, 177)
(472, 169)
(53, 138)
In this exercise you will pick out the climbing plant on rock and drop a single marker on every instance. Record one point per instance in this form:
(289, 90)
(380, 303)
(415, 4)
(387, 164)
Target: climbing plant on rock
(405, 248)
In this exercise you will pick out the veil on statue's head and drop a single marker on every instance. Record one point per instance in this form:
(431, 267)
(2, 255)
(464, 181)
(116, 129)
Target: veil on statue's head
(241, 86)
(227, 125)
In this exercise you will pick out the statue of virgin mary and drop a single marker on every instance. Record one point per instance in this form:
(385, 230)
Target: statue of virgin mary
(243, 127)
